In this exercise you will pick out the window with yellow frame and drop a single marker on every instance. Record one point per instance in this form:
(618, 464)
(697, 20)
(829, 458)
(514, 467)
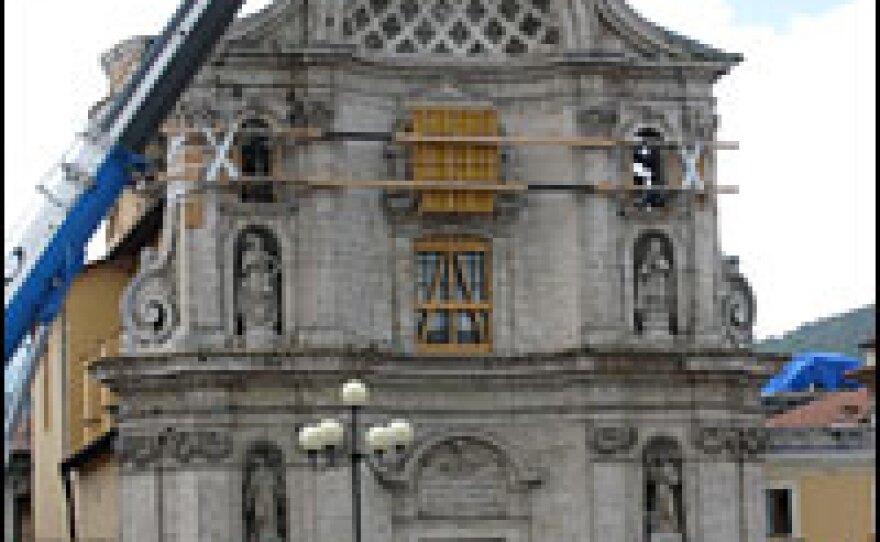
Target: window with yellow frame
(454, 296)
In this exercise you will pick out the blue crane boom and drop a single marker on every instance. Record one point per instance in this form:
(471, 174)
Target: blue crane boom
(48, 249)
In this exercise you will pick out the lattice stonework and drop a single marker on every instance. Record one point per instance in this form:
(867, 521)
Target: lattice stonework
(453, 27)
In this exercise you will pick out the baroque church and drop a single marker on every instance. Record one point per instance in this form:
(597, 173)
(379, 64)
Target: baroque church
(500, 216)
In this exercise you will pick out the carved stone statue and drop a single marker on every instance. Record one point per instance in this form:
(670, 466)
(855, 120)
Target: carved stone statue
(258, 288)
(260, 500)
(663, 518)
(653, 299)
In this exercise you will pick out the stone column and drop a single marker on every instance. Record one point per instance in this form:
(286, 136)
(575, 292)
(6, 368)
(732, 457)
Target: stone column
(719, 485)
(141, 507)
(610, 506)
(755, 520)
(219, 490)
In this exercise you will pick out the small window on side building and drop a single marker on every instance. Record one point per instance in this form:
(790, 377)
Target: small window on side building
(780, 512)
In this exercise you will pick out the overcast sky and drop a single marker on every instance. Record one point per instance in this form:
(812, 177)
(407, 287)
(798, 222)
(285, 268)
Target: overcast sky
(802, 107)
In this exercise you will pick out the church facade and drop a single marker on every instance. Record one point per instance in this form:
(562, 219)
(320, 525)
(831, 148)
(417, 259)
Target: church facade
(502, 217)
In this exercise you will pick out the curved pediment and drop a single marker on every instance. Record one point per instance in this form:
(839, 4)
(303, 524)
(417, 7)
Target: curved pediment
(622, 30)
(453, 27)
(281, 22)
(472, 28)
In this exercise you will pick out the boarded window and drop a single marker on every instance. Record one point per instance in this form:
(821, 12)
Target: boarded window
(457, 156)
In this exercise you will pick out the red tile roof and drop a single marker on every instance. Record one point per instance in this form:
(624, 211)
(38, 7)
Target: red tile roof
(833, 408)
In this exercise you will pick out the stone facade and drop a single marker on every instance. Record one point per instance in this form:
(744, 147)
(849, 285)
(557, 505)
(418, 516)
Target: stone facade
(617, 401)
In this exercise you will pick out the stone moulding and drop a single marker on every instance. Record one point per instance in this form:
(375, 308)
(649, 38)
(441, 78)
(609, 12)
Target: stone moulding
(737, 441)
(609, 440)
(150, 315)
(523, 474)
(145, 451)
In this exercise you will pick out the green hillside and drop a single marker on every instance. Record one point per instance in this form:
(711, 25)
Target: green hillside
(841, 333)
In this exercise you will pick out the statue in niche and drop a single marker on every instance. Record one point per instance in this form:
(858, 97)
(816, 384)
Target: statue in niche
(653, 295)
(264, 499)
(664, 513)
(258, 288)
(664, 517)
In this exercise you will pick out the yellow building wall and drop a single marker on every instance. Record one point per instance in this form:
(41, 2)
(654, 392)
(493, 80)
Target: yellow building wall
(93, 323)
(96, 491)
(836, 506)
(67, 403)
(834, 502)
(47, 447)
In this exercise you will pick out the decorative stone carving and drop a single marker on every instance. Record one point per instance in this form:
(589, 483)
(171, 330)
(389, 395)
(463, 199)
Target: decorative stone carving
(698, 122)
(737, 305)
(264, 495)
(596, 121)
(142, 451)
(739, 441)
(753, 441)
(654, 298)
(138, 450)
(453, 27)
(257, 286)
(463, 478)
(214, 446)
(715, 440)
(150, 314)
(613, 439)
(149, 309)
(310, 112)
(154, 315)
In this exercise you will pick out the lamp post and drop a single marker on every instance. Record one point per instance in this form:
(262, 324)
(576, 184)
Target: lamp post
(327, 439)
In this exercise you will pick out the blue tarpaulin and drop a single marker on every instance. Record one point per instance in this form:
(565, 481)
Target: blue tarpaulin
(824, 370)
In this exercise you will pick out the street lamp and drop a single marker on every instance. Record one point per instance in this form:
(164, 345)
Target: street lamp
(327, 438)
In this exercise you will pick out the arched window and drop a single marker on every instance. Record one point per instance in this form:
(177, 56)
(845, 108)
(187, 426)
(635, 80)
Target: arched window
(649, 167)
(256, 158)
(664, 512)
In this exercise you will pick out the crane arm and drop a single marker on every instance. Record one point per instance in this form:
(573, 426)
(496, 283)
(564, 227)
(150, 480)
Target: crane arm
(48, 251)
